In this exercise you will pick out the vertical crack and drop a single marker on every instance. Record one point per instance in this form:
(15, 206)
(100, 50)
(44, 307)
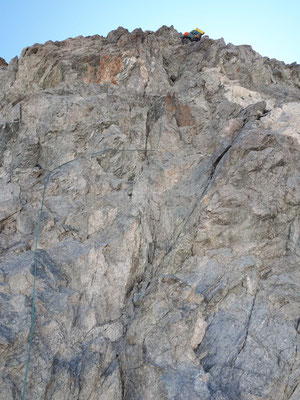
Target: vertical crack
(289, 393)
(122, 381)
(148, 129)
(243, 343)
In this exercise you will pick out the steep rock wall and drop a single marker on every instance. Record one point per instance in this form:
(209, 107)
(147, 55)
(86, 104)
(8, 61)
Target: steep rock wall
(168, 258)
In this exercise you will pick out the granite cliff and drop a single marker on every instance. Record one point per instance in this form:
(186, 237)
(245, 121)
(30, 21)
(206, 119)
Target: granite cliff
(168, 255)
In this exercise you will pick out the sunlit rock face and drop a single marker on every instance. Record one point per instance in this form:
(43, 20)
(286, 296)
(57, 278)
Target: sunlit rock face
(168, 255)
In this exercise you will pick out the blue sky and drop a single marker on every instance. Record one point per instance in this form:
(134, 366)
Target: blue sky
(272, 28)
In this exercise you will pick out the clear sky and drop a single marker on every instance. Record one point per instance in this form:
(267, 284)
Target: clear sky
(272, 28)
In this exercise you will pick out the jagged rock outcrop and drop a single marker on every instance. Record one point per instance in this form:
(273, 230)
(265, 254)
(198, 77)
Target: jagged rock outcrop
(168, 263)
(3, 62)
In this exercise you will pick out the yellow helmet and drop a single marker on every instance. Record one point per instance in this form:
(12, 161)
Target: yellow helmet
(199, 30)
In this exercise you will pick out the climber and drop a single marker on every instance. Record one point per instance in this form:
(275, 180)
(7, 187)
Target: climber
(193, 36)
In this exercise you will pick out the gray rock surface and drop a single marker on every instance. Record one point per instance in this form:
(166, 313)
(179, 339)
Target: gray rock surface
(168, 258)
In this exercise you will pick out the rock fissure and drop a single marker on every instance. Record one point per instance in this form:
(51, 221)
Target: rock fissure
(244, 340)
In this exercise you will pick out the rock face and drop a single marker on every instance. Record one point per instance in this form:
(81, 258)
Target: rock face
(168, 256)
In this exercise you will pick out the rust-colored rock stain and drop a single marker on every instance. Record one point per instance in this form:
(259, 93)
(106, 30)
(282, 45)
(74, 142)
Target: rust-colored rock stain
(181, 112)
(107, 71)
